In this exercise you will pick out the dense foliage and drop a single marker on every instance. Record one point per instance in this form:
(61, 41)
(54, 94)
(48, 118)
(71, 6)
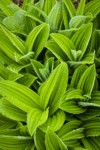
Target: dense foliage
(49, 75)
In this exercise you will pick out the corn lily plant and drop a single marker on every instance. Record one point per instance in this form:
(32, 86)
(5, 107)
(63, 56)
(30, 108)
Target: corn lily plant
(49, 75)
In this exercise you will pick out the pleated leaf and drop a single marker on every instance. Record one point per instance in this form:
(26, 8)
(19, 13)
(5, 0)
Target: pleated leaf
(55, 16)
(37, 39)
(91, 143)
(39, 139)
(9, 75)
(82, 37)
(35, 118)
(76, 76)
(72, 94)
(78, 21)
(14, 142)
(95, 99)
(6, 123)
(55, 122)
(10, 111)
(53, 141)
(48, 5)
(92, 127)
(50, 92)
(16, 41)
(64, 43)
(92, 7)
(7, 10)
(56, 50)
(71, 131)
(72, 107)
(87, 80)
(81, 6)
(19, 95)
(27, 80)
(70, 7)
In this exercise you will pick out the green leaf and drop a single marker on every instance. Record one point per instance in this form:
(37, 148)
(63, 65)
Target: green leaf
(82, 37)
(7, 48)
(37, 66)
(72, 94)
(64, 43)
(34, 17)
(76, 76)
(70, 7)
(53, 141)
(25, 3)
(81, 6)
(35, 118)
(9, 75)
(92, 7)
(87, 59)
(71, 106)
(95, 98)
(39, 139)
(48, 5)
(37, 39)
(65, 16)
(50, 93)
(17, 21)
(68, 127)
(7, 10)
(79, 20)
(92, 127)
(14, 142)
(56, 50)
(27, 80)
(10, 132)
(15, 40)
(10, 111)
(6, 123)
(55, 122)
(19, 95)
(68, 32)
(91, 143)
(71, 131)
(55, 16)
(91, 113)
(33, 7)
(87, 80)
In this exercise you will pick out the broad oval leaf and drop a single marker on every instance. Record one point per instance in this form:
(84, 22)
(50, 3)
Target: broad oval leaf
(16, 41)
(14, 142)
(56, 50)
(76, 76)
(39, 139)
(82, 37)
(79, 20)
(92, 127)
(87, 80)
(55, 122)
(50, 92)
(10, 111)
(37, 39)
(35, 118)
(19, 95)
(54, 18)
(53, 141)
(81, 6)
(70, 7)
(48, 5)
(64, 43)
(92, 7)
(71, 130)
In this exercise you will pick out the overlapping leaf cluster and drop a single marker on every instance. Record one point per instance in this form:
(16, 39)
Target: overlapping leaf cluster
(49, 75)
